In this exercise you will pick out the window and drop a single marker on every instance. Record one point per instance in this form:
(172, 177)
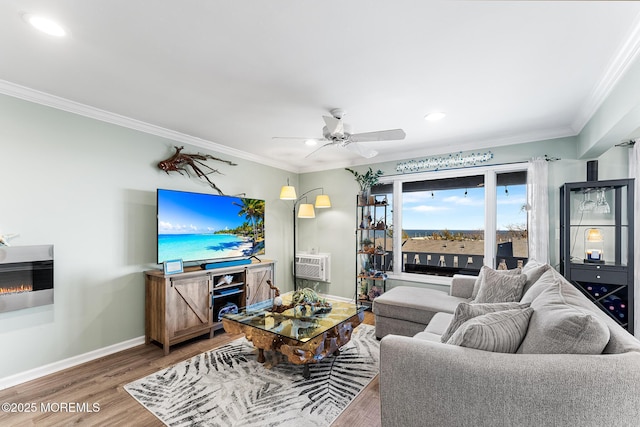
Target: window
(512, 248)
(455, 221)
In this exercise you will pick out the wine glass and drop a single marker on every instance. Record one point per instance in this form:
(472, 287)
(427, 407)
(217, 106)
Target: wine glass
(587, 204)
(602, 206)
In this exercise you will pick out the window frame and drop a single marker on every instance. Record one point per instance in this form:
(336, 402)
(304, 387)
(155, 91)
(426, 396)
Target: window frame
(490, 214)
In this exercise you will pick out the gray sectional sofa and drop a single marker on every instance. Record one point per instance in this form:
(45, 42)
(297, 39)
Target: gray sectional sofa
(549, 357)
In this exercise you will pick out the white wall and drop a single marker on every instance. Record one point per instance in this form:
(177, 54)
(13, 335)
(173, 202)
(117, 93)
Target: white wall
(88, 188)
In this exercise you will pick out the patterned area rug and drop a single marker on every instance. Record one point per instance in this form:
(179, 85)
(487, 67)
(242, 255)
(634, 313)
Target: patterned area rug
(228, 387)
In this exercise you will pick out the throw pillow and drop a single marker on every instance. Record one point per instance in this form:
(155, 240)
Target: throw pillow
(500, 287)
(500, 332)
(559, 327)
(545, 281)
(533, 270)
(480, 278)
(465, 311)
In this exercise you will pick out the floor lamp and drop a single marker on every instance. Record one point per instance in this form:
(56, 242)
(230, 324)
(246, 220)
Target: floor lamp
(306, 210)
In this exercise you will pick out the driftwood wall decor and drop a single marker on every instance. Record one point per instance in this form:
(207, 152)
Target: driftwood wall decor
(180, 162)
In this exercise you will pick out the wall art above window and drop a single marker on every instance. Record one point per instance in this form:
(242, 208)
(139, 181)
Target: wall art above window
(441, 162)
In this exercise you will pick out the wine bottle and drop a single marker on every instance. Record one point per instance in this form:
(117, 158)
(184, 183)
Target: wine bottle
(597, 290)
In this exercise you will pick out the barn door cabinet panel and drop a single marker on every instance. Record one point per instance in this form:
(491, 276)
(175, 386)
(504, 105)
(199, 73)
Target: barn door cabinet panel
(257, 289)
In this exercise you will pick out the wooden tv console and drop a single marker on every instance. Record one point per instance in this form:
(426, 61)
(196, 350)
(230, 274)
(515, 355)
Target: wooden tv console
(182, 306)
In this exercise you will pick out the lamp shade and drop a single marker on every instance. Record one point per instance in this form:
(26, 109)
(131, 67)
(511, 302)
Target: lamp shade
(594, 235)
(306, 211)
(288, 192)
(323, 201)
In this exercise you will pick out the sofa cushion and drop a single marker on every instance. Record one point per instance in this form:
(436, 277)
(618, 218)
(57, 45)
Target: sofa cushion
(563, 323)
(466, 311)
(500, 287)
(414, 304)
(439, 323)
(480, 278)
(501, 331)
(546, 280)
(427, 336)
(534, 270)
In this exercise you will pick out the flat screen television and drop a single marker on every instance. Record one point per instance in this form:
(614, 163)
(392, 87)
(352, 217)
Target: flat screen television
(207, 227)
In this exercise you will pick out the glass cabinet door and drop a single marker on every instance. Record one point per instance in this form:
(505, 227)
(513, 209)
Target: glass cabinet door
(598, 225)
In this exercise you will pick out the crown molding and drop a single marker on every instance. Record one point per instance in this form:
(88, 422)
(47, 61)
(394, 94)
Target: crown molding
(59, 103)
(621, 62)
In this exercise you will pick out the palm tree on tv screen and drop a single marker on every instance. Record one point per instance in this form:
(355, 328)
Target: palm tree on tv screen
(253, 211)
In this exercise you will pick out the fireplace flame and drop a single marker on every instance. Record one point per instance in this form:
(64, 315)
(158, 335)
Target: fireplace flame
(16, 289)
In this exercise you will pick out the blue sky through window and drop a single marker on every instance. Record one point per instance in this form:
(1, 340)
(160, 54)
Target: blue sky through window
(453, 210)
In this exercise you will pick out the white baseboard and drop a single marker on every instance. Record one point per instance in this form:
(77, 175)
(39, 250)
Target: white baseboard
(51, 368)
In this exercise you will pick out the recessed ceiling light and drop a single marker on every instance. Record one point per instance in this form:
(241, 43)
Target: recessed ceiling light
(44, 24)
(435, 116)
(311, 142)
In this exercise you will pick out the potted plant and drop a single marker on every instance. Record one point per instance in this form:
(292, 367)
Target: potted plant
(365, 181)
(367, 244)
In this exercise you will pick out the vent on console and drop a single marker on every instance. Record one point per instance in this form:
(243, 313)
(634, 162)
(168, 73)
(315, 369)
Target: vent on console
(314, 267)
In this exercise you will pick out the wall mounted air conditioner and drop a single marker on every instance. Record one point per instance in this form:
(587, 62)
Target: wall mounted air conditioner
(314, 267)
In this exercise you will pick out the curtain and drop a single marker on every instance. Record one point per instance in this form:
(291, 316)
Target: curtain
(538, 209)
(634, 172)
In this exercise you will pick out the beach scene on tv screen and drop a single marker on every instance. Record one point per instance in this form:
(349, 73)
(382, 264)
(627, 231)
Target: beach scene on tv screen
(200, 227)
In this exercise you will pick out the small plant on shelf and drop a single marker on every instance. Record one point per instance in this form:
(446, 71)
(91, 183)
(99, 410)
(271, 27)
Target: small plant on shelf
(366, 180)
(367, 245)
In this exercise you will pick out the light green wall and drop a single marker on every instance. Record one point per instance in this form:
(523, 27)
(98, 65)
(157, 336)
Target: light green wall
(88, 188)
(616, 120)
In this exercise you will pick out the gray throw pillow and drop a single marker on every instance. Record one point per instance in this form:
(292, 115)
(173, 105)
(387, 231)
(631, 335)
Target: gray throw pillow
(500, 287)
(533, 270)
(466, 311)
(559, 327)
(480, 278)
(545, 281)
(500, 332)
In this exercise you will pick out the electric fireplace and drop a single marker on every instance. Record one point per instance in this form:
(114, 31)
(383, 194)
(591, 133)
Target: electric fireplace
(26, 276)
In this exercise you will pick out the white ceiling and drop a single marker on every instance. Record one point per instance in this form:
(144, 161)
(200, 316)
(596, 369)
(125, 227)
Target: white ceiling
(231, 75)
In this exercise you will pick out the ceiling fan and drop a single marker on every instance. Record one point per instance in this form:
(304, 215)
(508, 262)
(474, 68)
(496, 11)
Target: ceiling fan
(337, 132)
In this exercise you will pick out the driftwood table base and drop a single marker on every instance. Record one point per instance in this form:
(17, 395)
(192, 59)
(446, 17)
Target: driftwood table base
(298, 352)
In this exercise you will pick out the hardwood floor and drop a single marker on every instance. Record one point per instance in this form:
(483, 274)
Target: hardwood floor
(101, 382)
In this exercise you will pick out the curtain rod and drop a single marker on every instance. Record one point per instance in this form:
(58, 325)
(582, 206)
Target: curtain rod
(629, 143)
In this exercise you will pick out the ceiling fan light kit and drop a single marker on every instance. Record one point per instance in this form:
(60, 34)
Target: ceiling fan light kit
(44, 24)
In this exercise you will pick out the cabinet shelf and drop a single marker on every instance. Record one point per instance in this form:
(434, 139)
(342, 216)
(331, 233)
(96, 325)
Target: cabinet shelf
(227, 294)
(361, 276)
(229, 285)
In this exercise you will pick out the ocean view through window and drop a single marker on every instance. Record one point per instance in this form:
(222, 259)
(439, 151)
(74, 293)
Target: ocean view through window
(456, 221)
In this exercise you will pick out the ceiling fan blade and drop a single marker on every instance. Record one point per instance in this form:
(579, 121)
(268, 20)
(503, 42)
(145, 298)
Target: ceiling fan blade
(300, 138)
(334, 126)
(360, 150)
(382, 135)
(319, 148)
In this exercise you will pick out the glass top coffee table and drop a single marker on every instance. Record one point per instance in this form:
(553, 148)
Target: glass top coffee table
(304, 334)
